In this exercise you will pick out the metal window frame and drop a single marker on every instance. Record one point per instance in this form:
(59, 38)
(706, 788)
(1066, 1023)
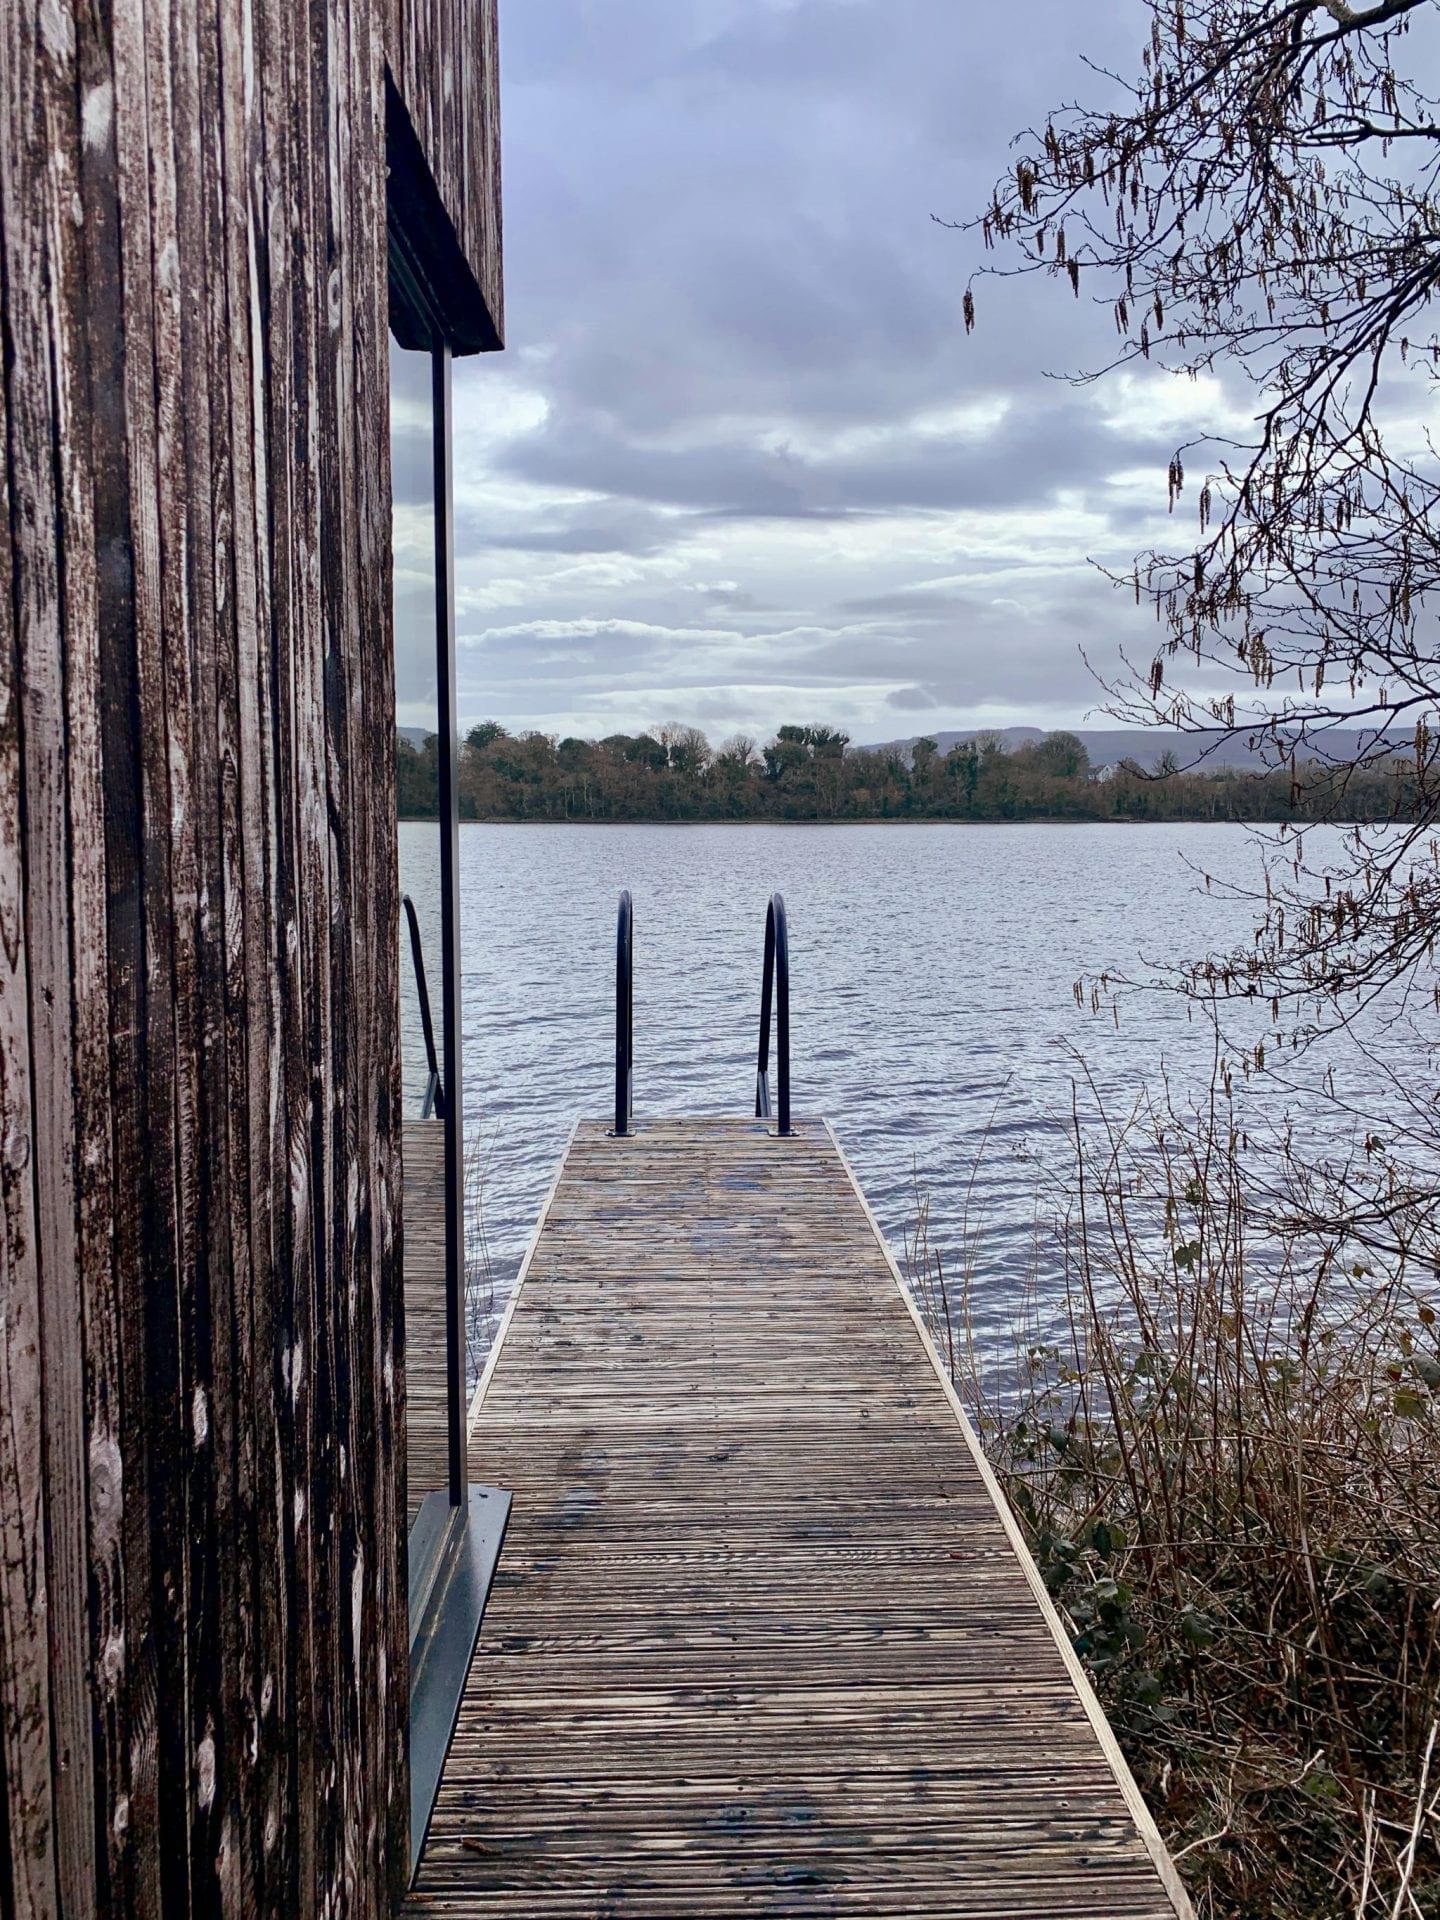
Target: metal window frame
(452, 1548)
(422, 330)
(450, 1039)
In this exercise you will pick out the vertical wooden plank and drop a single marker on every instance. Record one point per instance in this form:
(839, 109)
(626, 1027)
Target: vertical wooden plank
(381, 1097)
(215, 1393)
(254, 1622)
(171, 1243)
(352, 143)
(204, 750)
(62, 768)
(304, 894)
(98, 798)
(491, 196)
(383, 1680)
(383, 1694)
(142, 1063)
(41, 248)
(27, 1858)
(282, 1157)
(337, 509)
(313, 868)
(27, 1854)
(256, 163)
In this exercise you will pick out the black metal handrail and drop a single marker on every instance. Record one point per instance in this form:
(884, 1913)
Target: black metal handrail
(434, 1091)
(777, 978)
(624, 1016)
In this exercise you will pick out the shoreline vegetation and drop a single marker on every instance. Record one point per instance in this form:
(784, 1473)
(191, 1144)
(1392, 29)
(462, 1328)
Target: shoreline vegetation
(813, 774)
(1224, 1446)
(1224, 1465)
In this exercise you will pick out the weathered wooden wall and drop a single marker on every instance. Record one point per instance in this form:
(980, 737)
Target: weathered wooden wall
(452, 99)
(202, 1610)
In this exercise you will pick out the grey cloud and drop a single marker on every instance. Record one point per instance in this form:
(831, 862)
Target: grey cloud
(733, 598)
(911, 603)
(774, 509)
(731, 318)
(1033, 453)
(608, 527)
(537, 643)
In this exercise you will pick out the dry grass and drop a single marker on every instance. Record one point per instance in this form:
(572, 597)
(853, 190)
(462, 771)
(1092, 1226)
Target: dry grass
(1227, 1469)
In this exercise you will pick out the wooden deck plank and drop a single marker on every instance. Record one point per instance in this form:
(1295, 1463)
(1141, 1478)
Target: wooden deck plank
(762, 1640)
(427, 1433)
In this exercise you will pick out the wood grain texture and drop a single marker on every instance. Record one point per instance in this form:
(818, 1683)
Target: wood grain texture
(760, 1640)
(203, 1641)
(445, 59)
(33, 1108)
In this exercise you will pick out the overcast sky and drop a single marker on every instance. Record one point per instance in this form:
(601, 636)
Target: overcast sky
(739, 464)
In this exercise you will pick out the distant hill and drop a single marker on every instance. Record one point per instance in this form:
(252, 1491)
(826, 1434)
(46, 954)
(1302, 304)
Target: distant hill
(417, 736)
(1140, 744)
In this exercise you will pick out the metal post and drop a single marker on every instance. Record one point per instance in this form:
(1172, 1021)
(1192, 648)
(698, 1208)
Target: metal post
(453, 1118)
(624, 1016)
(777, 929)
(767, 985)
(775, 986)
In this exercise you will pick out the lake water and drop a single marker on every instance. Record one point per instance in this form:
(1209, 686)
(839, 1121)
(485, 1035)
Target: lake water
(932, 1004)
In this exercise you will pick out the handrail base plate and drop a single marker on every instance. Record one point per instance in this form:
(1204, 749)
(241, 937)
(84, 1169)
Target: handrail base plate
(442, 1640)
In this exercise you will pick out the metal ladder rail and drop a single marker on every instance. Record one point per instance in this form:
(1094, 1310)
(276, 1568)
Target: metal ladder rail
(434, 1090)
(624, 1016)
(775, 985)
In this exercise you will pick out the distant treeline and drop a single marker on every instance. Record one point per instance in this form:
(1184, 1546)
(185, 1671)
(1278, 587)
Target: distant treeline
(812, 773)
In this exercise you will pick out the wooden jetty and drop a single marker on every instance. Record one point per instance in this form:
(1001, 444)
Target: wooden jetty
(426, 1377)
(764, 1638)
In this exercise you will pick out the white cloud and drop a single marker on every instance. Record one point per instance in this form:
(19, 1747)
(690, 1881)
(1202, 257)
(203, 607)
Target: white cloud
(741, 463)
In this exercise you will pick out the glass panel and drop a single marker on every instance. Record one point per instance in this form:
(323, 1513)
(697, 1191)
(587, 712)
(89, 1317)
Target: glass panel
(418, 722)
(412, 479)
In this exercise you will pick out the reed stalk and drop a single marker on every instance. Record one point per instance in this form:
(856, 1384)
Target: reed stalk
(1227, 1471)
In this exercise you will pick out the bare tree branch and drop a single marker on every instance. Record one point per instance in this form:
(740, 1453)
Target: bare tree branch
(1244, 216)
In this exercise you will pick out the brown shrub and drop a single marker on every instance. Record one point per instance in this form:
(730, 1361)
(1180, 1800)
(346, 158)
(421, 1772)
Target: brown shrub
(1226, 1466)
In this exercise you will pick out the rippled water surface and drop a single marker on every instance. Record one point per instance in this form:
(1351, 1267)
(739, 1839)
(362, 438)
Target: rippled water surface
(932, 996)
